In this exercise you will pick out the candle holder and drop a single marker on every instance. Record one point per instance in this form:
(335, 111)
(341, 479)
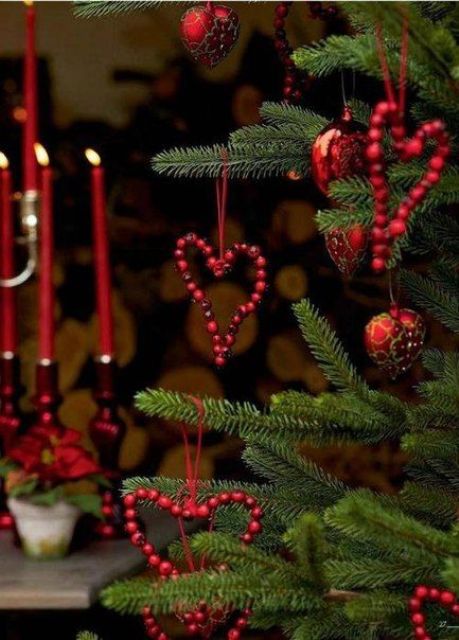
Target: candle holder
(29, 215)
(47, 397)
(10, 417)
(107, 431)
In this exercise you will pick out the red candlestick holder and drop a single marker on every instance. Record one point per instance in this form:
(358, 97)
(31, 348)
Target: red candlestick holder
(10, 417)
(107, 431)
(47, 397)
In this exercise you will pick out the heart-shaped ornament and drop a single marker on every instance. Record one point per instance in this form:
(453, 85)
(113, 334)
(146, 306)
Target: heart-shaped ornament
(394, 340)
(202, 621)
(385, 231)
(422, 594)
(222, 342)
(347, 248)
(209, 32)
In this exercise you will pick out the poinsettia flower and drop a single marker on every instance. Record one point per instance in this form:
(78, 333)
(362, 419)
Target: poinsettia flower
(53, 454)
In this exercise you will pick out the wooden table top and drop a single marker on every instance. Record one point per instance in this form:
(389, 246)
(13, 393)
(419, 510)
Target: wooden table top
(74, 582)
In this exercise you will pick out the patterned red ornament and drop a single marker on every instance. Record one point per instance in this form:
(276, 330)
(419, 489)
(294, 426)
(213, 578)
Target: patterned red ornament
(347, 248)
(385, 231)
(422, 594)
(222, 343)
(209, 32)
(394, 340)
(338, 151)
(205, 618)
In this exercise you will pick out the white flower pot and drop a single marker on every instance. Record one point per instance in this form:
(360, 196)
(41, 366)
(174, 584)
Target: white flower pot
(45, 532)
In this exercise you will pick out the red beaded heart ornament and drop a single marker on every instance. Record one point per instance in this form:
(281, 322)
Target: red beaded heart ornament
(222, 343)
(384, 231)
(445, 598)
(209, 32)
(203, 620)
(347, 248)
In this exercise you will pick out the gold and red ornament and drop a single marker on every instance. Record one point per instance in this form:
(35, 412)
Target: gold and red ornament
(386, 230)
(206, 617)
(347, 248)
(209, 32)
(394, 340)
(338, 151)
(222, 342)
(422, 595)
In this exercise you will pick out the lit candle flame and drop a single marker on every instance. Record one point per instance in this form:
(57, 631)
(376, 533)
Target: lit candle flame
(93, 157)
(41, 154)
(4, 164)
(28, 3)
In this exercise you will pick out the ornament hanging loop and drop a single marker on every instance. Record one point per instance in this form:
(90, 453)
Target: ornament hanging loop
(29, 214)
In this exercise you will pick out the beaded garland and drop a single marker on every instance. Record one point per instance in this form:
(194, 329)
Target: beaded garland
(422, 594)
(385, 231)
(222, 343)
(196, 622)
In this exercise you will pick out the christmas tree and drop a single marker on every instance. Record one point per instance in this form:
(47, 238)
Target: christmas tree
(335, 561)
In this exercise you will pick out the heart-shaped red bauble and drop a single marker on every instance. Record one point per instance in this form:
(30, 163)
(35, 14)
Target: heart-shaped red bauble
(422, 594)
(209, 32)
(204, 619)
(222, 342)
(394, 340)
(385, 231)
(347, 248)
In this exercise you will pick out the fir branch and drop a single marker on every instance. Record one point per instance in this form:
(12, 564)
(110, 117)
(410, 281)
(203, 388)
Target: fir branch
(363, 514)
(427, 295)
(375, 607)
(281, 113)
(328, 351)
(283, 466)
(451, 574)
(254, 160)
(87, 635)
(101, 8)
(434, 506)
(306, 539)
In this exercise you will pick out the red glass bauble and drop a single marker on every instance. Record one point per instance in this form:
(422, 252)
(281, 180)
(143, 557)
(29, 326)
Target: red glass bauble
(338, 151)
(209, 32)
(394, 340)
(347, 248)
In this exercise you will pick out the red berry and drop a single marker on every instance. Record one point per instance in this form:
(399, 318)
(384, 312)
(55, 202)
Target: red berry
(238, 496)
(447, 597)
(397, 227)
(417, 618)
(421, 592)
(257, 513)
(154, 560)
(164, 502)
(254, 527)
(374, 151)
(129, 500)
(176, 510)
(247, 538)
(202, 511)
(131, 527)
(212, 327)
(378, 265)
(224, 497)
(129, 514)
(153, 495)
(148, 549)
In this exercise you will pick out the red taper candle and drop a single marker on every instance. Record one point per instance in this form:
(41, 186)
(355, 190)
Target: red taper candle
(30, 89)
(46, 246)
(8, 331)
(101, 255)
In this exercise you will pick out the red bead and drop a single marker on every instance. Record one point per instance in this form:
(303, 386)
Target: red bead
(421, 592)
(381, 220)
(142, 494)
(148, 549)
(193, 629)
(374, 151)
(247, 538)
(241, 623)
(455, 609)
(375, 134)
(137, 539)
(224, 497)
(213, 503)
(254, 527)
(238, 496)
(434, 594)
(131, 527)
(378, 265)
(212, 327)
(414, 604)
(234, 634)
(433, 177)
(153, 495)
(281, 10)
(220, 361)
(436, 163)
(420, 633)
(130, 514)
(164, 502)
(250, 501)
(202, 511)
(257, 513)
(129, 500)
(447, 597)
(230, 340)
(154, 560)
(250, 307)
(397, 228)
(260, 286)
(182, 265)
(165, 568)
(198, 295)
(417, 618)
(107, 510)
(176, 510)
(260, 262)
